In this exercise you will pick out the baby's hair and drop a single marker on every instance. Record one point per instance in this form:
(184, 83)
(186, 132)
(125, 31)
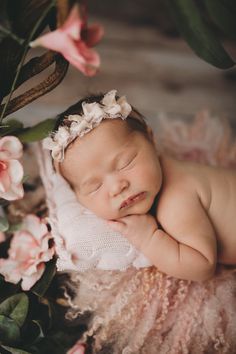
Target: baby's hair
(135, 120)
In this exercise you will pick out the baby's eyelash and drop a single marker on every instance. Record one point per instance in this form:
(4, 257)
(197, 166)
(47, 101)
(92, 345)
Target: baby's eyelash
(128, 163)
(96, 188)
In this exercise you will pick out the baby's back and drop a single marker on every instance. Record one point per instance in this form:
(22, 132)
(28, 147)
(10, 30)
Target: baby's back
(222, 210)
(216, 188)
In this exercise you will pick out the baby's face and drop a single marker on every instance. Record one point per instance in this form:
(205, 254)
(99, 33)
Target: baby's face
(114, 172)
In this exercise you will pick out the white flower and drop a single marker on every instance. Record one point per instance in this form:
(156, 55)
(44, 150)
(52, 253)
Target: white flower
(92, 112)
(125, 108)
(28, 252)
(11, 170)
(62, 136)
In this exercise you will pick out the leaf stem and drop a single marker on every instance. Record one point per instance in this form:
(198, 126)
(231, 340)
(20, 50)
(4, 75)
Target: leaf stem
(11, 34)
(52, 3)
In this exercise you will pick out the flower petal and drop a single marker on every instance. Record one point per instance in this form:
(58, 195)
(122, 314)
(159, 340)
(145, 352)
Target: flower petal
(5, 182)
(110, 98)
(2, 237)
(55, 40)
(10, 148)
(73, 23)
(78, 348)
(34, 225)
(93, 34)
(15, 192)
(84, 59)
(89, 55)
(29, 281)
(10, 270)
(16, 171)
(22, 245)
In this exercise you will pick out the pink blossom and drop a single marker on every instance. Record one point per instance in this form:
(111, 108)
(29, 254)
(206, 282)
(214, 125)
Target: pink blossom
(73, 40)
(11, 170)
(78, 348)
(2, 237)
(28, 252)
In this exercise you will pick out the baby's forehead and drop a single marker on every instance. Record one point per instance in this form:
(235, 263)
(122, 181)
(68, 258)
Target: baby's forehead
(102, 140)
(109, 132)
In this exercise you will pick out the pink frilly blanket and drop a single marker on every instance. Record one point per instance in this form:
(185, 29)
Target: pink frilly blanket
(144, 311)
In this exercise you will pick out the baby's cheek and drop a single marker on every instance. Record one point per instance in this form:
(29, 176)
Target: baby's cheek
(145, 173)
(100, 206)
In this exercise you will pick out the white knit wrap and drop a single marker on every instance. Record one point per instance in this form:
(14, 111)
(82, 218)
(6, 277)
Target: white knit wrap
(83, 241)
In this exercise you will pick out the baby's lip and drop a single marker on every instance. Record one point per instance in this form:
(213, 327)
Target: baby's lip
(133, 199)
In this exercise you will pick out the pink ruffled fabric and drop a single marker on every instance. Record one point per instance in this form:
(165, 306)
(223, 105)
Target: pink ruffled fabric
(144, 311)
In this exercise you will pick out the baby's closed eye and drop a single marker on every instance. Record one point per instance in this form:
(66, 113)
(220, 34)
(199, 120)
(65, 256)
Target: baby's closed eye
(123, 163)
(94, 187)
(91, 187)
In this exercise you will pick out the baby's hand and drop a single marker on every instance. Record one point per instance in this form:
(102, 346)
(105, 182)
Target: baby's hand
(137, 228)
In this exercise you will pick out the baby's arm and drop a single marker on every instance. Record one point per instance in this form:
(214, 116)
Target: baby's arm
(187, 247)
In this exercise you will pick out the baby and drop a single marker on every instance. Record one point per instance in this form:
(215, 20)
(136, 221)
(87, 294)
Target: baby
(180, 215)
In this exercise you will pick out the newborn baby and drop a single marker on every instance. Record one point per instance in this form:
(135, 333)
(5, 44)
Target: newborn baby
(180, 215)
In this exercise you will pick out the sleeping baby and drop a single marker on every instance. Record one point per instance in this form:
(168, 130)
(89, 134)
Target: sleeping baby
(179, 215)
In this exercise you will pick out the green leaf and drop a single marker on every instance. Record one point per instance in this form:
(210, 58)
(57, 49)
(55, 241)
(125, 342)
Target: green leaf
(9, 331)
(15, 227)
(198, 34)
(44, 282)
(223, 13)
(14, 350)
(37, 132)
(16, 308)
(4, 224)
(10, 127)
(7, 289)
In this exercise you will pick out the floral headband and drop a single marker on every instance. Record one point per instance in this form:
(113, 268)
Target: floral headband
(93, 114)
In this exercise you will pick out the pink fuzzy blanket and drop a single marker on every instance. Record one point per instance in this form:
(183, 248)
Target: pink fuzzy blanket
(145, 311)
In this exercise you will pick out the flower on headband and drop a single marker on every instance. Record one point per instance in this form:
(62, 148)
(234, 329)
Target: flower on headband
(120, 108)
(93, 114)
(58, 144)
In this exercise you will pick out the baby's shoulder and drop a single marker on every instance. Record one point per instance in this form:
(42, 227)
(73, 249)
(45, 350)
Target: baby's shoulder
(182, 176)
(184, 183)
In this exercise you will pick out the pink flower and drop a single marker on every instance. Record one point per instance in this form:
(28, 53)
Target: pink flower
(11, 170)
(73, 40)
(28, 252)
(78, 348)
(2, 237)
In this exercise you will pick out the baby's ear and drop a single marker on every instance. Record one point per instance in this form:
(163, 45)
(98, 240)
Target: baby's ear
(150, 134)
(153, 139)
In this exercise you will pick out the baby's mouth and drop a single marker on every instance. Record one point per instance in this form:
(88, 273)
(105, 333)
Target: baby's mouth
(132, 200)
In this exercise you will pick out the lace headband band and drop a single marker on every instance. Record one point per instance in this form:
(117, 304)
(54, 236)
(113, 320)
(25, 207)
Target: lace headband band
(93, 114)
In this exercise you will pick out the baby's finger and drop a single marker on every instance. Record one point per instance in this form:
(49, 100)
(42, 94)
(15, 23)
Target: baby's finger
(129, 219)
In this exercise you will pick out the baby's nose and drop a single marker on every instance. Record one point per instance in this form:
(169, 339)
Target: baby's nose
(118, 186)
